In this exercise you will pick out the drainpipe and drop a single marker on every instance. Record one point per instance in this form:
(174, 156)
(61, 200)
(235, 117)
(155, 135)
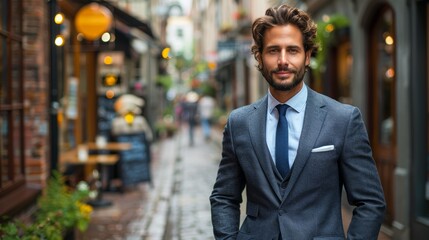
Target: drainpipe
(53, 88)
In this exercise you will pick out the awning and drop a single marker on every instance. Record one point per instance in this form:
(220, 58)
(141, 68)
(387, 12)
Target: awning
(130, 20)
(70, 8)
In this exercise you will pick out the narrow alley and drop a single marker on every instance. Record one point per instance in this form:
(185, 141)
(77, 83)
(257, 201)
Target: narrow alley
(176, 206)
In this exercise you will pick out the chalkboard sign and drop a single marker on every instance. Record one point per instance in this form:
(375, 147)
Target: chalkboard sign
(106, 114)
(135, 162)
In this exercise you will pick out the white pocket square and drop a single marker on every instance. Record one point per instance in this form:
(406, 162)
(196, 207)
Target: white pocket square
(323, 148)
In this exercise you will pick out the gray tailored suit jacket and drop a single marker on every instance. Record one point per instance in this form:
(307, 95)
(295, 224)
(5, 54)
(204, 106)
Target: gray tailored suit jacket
(333, 153)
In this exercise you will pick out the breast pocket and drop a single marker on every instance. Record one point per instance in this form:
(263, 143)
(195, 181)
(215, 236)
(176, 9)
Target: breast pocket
(324, 158)
(322, 165)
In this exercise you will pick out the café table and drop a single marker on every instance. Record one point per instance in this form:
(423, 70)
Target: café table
(102, 161)
(109, 146)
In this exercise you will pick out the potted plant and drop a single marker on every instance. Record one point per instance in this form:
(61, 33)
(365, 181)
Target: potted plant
(60, 211)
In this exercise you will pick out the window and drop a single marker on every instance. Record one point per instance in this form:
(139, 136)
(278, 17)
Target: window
(11, 97)
(382, 100)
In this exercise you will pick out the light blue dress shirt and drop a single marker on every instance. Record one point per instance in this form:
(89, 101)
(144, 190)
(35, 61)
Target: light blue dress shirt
(295, 118)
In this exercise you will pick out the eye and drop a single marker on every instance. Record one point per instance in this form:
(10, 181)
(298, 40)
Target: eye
(273, 51)
(293, 51)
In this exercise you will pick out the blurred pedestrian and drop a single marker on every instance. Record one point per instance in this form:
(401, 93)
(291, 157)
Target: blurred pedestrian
(206, 106)
(190, 108)
(294, 166)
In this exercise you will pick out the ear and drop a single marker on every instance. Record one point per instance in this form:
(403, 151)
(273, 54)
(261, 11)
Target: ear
(307, 57)
(259, 58)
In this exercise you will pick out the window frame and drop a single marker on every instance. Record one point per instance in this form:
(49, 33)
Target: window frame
(12, 34)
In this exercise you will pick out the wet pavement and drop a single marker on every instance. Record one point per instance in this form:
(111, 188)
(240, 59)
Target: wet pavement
(175, 206)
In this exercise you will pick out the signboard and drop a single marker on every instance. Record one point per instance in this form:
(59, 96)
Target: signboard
(92, 20)
(111, 73)
(106, 114)
(134, 163)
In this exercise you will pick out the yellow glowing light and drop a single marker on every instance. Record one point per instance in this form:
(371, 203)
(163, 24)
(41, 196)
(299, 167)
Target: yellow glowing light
(329, 28)
(59, 18)
(211, 65)
(59, 40)
(108, 60)
(390, 73)
(60, 118)
(129, 118)
(165, 53)
(110, 80)
(110, 94)
(105, 37)
(389, 40)
(93, 20)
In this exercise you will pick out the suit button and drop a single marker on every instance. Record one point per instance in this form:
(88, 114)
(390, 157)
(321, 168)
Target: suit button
(282, 212)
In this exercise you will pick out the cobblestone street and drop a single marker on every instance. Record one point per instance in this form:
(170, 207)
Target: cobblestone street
(176, 206)
(195, 173)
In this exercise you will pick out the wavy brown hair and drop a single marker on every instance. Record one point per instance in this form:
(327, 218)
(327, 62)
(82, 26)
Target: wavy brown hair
(283, 15)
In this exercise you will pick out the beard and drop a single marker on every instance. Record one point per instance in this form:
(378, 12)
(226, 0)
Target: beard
(298, 76)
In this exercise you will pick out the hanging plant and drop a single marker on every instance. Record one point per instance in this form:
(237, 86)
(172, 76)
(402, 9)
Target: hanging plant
(326, 30)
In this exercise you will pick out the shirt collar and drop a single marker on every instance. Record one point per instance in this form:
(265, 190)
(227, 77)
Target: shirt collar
(297, 102)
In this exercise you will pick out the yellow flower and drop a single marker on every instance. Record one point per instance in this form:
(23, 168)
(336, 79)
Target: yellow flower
(85, 209)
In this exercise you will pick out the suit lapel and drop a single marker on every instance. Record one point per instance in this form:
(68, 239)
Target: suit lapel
(313, 121)
(257, 131)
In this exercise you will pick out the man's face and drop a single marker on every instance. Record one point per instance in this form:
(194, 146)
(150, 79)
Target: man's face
(284, 58)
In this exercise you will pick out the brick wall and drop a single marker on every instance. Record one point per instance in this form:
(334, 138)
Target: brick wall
(36, 83)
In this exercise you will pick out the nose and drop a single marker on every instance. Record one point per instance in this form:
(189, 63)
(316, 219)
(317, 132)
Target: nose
(282, 60)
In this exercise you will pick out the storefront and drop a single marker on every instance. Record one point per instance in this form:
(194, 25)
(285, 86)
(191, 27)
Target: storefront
(96, 71)
(52, 80)
(383, 73)
(419, 215)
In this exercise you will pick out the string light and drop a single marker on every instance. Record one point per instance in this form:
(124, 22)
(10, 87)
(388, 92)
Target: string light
(108, 60)
(105, 37)
(389, 40)
(59, 40)
(59, 18)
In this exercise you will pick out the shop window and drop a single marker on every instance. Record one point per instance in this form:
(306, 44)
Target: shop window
(11, 99)
(382, 99)
(331, 67)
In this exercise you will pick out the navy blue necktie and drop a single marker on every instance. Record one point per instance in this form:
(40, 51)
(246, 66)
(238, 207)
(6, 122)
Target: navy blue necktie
(282, 141)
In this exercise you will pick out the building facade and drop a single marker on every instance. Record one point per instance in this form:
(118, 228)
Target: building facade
(24, 120)
(59, 83)
(376, 57)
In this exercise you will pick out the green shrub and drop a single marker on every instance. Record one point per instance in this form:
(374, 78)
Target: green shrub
(59, 209)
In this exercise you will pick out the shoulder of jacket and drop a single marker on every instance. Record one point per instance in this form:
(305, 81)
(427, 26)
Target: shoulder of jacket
(332, 104)
(247, 109)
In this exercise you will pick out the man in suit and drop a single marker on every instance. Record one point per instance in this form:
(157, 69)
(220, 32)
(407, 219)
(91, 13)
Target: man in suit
(294, 191)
